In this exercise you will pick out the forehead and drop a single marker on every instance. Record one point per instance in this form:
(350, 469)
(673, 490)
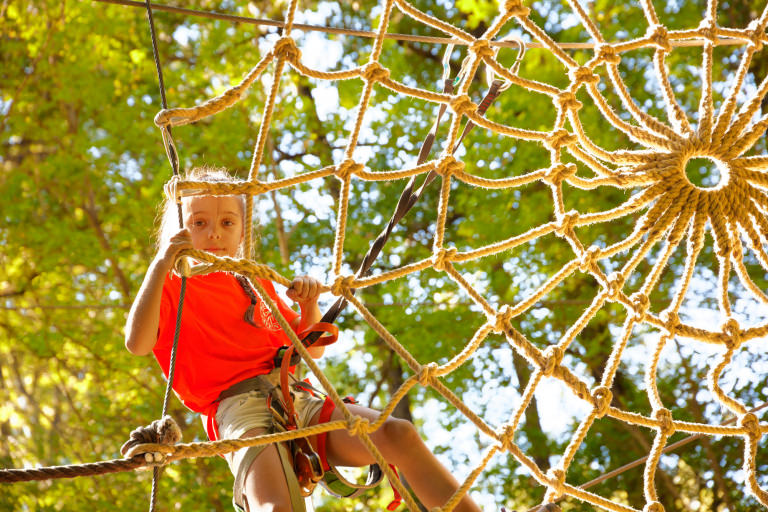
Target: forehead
(213, 204)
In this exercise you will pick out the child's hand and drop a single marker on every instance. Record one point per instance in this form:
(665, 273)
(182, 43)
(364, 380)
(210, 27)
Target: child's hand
(304, 290)
(181, 240)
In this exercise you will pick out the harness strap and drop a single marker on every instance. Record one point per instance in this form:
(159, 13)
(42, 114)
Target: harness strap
(297, 500)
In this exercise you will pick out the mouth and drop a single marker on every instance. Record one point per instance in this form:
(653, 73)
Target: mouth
(214, 249)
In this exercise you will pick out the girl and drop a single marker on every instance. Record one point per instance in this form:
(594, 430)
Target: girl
(221, 350)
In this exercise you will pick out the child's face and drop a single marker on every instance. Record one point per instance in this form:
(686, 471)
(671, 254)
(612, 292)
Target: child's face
(215, 222)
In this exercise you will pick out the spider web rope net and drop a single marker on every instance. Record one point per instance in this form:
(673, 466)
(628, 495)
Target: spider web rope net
(665, 209)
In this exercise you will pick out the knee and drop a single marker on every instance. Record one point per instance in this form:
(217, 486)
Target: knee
(399, 433)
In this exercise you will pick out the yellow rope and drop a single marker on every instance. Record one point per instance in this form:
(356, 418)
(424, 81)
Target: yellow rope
(667, 207)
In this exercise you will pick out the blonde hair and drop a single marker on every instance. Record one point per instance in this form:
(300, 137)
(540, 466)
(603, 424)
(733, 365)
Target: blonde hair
(168, 213)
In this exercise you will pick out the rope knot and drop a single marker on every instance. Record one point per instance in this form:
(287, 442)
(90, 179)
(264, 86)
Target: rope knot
(559, 173)
(659, 36)
(755, 35)
(566, 222)
(614, 285)
(640, 304)
(506, 436)
(732, 332)
(708, 29)
(516, 8)
(342, 284)
(462, 104)
(448, 166)
(347, 168)
(601, 400)
(583, 75)
(653, 506)
(588, 259)
(375, 72)
(666, 424)
(286, 48)
(427, 373)
(482, 48)
(557, 481)
(751, 425)
(162, 431)
(567, 101)
(442, 258)
(500, 322)
(357, 425)
(671, 320)
(553, 356)
(559, 138)
(607, 54)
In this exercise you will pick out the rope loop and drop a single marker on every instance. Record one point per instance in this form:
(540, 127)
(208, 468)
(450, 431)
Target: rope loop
(671, 320)
(559, 138)
(567, 101)
(732, 332)
(500, 322)
(553, 356)
(566, 222)
(659, 36)
(588, 260)
(427, 373)
(348, 167)
(557, 481)
(559, 173)
(583, 75)
(755, 35)
(448, 166)
(653, 506)
(640, 303)
(601, 400)
(751, 425)
(462, 104)
(482, 48)
(506, 436)
(607, 54)
(286, 48)
(342, 284)
(357, 425)
(666, 423)
(374, 72)
(442, 258)
(516, 8)
(614, 283)
(708, 29)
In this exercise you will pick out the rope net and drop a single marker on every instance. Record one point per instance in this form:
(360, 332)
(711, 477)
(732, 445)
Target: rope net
(666, 212)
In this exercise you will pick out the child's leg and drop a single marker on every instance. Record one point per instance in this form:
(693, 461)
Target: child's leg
(400, 444)
(265, 488)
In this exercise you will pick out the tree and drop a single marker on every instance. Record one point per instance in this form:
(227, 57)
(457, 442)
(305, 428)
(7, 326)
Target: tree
(84, 166)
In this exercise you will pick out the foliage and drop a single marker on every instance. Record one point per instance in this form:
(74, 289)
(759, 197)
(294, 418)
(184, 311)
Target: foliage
(83, 168)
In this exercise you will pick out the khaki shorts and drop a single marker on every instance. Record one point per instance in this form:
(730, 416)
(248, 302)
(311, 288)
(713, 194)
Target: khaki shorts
(240, 413)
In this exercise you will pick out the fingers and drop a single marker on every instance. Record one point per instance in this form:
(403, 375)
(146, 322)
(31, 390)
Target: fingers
(304, 289)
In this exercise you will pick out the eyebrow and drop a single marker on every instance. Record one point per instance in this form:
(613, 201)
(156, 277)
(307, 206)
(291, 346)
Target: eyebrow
(228, 212)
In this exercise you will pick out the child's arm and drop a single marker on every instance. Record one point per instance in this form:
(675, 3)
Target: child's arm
(305, 290)
(144, 317)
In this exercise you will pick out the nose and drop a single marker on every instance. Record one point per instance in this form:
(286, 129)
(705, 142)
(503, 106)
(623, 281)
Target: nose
(213, 233)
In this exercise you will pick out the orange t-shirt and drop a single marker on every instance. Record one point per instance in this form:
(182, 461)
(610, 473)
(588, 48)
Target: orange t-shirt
(217, 347)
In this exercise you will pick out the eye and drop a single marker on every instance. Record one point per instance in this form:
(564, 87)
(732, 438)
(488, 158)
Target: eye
(228, 222)
(198, 223)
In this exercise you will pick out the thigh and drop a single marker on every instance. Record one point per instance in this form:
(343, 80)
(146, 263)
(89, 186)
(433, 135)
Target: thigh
(265, 485)
(345, 450)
